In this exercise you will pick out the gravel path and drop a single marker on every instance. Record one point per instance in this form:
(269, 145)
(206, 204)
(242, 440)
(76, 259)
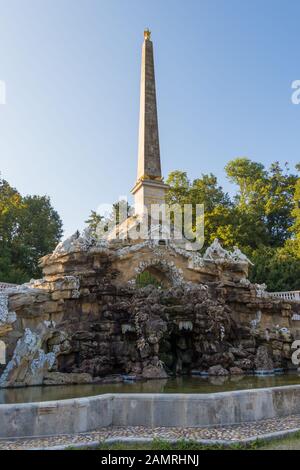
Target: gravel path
(229, 434)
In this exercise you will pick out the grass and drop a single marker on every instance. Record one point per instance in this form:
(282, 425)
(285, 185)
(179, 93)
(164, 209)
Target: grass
(286, 443)
(160, 444)
(291, 442)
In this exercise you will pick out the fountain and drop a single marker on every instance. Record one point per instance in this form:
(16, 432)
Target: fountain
(87, 326)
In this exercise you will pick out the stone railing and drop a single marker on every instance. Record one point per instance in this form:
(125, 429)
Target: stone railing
(288, 295)
(6, 285)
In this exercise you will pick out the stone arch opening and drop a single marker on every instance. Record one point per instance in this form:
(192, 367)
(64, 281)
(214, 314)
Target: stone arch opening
(158, 272)
(152, 276)
(2, 353)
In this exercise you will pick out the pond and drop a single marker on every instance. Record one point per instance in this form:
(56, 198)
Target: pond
(185, 384)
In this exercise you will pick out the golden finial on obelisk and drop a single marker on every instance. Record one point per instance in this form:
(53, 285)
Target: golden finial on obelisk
(147, 34)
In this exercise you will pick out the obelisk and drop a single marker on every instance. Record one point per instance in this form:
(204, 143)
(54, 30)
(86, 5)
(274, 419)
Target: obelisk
(149, 188)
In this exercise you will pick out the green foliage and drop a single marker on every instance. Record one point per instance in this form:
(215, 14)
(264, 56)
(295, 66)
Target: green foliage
(94, 220)
(29, 229)
(146, 278)
(263, 204)
(263, 218)
(204, 190)
(278, 268)
(296, 208)
(284, 442)
(120, 209)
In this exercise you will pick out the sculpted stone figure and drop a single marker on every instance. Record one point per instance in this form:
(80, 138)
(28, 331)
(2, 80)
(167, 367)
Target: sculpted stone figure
(237, 255)
(215, 251)
(67, 244)
(261, 290)
(75, 241)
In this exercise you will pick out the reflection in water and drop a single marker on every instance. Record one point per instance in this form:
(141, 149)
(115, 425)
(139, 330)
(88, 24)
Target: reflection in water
(218, 381)
(173, 385)
(153, 386)
(237, 378)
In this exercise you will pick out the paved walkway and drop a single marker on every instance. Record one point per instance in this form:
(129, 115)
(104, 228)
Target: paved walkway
(226, 434)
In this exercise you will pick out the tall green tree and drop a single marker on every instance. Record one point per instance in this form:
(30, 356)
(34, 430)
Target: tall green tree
(276, 267)
(296, 208)
(204, 190)
(10, 209)
(279, 204)
(93, 221)
(119, 209)
(29, 229)
(263, 203)
(40, 230)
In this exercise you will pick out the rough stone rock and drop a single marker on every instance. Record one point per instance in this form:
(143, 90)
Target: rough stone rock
(263, 361)
(286, 351)
(109, 379)
(29, 362)
(154, 372)
(244, 364)
(218, 370)
(60, 378)
(236, 371)
(238, 352)
(7, 318)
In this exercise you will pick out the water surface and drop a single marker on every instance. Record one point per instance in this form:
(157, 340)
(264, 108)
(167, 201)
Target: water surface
(172, 385)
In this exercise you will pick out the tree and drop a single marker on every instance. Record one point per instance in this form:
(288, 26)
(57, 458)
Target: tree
(279, 204)
(179, 188)
(204, 190)
(276, 267)
(40, 229)
(120, 208)
(93, 221)
(249, 177)
(10, 208)
(29, 229)
(263, 203)
(296, 208)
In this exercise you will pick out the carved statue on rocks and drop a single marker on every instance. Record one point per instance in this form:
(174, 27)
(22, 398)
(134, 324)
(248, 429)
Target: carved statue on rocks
(261, 290)
(79, 241)
(238, 256)
(216, 252)
(67, 244)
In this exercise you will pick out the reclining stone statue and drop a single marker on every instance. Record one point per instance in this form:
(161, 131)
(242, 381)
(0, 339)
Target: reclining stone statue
(215, 251)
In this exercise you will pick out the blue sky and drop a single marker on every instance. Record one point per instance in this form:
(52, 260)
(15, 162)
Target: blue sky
(224, 70)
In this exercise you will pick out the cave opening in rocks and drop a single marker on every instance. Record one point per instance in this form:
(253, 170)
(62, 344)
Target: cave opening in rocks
(177, 353)
(67, 362)
(152, 276)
